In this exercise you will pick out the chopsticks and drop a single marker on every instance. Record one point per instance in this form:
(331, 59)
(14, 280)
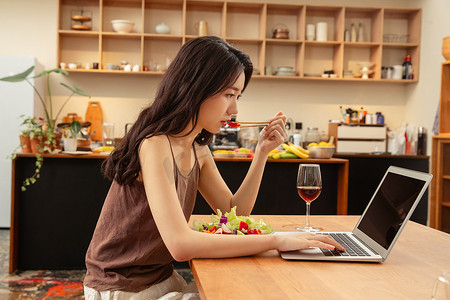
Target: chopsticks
(253, 124)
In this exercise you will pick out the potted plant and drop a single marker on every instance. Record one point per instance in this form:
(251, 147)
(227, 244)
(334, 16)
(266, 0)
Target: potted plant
(71, 136)
(25, 141)
(42, 132)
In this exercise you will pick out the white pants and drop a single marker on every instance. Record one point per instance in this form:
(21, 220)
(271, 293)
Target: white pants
(173, 288)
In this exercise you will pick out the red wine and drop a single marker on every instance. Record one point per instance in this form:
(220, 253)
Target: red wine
(309, 193)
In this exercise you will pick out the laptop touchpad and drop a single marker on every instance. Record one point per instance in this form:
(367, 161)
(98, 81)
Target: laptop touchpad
(309, 251)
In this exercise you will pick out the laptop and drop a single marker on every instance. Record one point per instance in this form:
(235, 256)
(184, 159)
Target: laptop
(380, 225)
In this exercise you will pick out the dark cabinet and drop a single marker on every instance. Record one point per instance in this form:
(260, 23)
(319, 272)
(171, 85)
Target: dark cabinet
(366, 171)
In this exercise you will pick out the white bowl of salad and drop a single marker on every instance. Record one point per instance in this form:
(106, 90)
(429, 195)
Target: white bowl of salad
(230, 223)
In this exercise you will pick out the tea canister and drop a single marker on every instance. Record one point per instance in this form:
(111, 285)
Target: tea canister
(280, 31)
(162, 28)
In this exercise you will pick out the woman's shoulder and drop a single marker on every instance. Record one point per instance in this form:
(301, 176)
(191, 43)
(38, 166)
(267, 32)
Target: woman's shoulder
(155, 143)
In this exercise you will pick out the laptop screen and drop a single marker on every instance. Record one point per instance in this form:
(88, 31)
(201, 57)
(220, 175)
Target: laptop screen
(389, 207)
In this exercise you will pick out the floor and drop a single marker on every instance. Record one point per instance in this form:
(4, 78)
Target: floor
(43, 284)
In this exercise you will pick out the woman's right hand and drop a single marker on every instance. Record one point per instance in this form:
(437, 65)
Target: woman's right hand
(306, 240)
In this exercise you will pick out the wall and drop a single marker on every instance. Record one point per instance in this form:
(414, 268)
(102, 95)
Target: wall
(313, 103)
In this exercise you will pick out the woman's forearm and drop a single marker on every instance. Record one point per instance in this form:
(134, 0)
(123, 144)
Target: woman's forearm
(245, 196)
(203, 245)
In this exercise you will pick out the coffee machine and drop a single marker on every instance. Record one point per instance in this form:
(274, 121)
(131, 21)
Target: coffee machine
(225, 139)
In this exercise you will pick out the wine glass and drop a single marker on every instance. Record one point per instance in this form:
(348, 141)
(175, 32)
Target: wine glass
(309, 186)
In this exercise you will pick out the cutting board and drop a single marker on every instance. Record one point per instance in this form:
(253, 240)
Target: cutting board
(94, 115)
(72, 117)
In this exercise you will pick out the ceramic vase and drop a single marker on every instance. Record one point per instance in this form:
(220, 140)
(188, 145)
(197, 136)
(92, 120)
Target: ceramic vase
(70, 145)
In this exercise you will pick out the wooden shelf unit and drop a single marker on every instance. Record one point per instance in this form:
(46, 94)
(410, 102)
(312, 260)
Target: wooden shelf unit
(440, 160)
(247, 25)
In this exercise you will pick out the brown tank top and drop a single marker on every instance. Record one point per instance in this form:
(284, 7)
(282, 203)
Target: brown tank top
(126, 252)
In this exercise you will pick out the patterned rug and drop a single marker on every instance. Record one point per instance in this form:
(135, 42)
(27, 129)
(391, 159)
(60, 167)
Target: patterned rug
(46, 284)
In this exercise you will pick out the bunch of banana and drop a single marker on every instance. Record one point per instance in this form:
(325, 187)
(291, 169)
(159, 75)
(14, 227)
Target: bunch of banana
(296, 150)
(107, 149)
(290, 151)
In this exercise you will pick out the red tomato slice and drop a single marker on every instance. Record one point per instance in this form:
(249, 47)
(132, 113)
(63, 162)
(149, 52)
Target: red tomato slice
(233, 124)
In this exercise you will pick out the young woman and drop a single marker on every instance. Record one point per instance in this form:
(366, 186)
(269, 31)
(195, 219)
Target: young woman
(157, 170)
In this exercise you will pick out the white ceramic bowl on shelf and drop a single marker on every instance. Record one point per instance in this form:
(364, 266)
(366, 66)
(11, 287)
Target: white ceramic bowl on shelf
(122, 26)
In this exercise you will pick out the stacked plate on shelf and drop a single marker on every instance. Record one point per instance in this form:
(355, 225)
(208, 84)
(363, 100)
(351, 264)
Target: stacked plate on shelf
(285, 71)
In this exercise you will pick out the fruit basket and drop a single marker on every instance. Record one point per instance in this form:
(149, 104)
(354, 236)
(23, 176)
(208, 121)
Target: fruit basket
(321, 152)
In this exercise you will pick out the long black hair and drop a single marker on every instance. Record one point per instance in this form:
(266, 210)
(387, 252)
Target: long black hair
(203, 67)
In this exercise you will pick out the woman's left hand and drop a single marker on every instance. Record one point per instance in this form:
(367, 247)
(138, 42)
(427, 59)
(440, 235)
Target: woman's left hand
(273, 134)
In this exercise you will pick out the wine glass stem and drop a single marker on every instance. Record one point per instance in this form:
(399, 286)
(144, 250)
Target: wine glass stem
(307, 214)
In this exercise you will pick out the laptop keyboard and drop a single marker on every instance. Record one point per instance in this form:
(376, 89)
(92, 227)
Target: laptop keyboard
(351, 248)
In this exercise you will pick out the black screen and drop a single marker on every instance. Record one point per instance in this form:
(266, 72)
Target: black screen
(389, 208)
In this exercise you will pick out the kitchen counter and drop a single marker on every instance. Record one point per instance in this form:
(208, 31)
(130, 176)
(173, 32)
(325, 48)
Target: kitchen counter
(53, 220)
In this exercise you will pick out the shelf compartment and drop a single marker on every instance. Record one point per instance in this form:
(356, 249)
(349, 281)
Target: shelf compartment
(394, 55)
(406, 22)
(154, 58)
(283, 55)
(122, 10)
(292, 16)
(254, 48)
(332, 15)
(211, 12)
(355, 53)
(245, 15)
(114, 51)
(65, 13)
(320, 57)
(78, 49)
(370, 18)
(168, 11)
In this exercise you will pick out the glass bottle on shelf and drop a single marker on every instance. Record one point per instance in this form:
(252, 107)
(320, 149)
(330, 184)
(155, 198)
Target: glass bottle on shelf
(353, 33)
(360, 33)
(408, 68)
(347, 35)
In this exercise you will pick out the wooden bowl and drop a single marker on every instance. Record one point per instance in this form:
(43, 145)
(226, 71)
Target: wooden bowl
(446, 48)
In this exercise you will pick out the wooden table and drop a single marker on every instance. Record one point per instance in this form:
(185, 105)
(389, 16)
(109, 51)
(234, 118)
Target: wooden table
(420, 255)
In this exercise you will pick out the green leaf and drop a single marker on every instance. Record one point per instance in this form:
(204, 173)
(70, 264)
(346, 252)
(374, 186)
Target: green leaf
(32, 180)
(23, 189)
(75, 127)
(27, 181)
(56, 70)
(18, 77)
(76, 90)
